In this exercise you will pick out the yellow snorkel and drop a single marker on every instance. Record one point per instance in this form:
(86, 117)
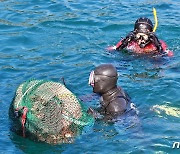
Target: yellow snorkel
(155, 19)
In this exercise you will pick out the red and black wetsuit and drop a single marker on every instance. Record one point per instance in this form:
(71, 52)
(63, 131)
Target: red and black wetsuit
(148, 49)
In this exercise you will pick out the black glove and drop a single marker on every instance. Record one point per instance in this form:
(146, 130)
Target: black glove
(126, 40)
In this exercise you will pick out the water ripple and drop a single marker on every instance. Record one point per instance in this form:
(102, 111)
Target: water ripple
(55, 39)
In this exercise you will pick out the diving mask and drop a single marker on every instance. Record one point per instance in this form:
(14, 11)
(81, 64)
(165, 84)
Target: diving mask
(142, 39)
(91, 79)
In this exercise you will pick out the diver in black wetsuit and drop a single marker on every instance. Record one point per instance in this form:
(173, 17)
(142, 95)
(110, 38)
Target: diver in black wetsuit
(114, 101)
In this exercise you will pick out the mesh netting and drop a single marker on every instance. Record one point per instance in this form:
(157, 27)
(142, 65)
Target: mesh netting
(54, 115)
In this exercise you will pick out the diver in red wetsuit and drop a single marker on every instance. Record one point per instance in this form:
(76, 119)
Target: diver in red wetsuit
(142, 40)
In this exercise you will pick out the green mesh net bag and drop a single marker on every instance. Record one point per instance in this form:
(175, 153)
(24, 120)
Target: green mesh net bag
(47, 111)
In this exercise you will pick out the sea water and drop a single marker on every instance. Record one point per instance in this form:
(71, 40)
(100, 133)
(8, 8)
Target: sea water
(51, 39)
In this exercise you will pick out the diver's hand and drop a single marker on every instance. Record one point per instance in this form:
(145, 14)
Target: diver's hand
(90, 111)
(152, 37)
(169, 53)
(111, 48)
(94, 113)
(124, 42)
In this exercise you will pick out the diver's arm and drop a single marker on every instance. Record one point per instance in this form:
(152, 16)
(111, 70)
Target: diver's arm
(154, 39)
(160, 45)
(124, 42)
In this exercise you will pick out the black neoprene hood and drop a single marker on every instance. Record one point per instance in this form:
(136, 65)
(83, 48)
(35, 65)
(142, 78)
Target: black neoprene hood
(143, 23)
(105, 78)
(106, 70)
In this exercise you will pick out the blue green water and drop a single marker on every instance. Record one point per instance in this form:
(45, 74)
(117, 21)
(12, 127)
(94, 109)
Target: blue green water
(50, 39)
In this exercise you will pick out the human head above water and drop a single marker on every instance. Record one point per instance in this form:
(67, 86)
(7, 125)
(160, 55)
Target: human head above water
(103, 78)
(143, 25)
(142, 28)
